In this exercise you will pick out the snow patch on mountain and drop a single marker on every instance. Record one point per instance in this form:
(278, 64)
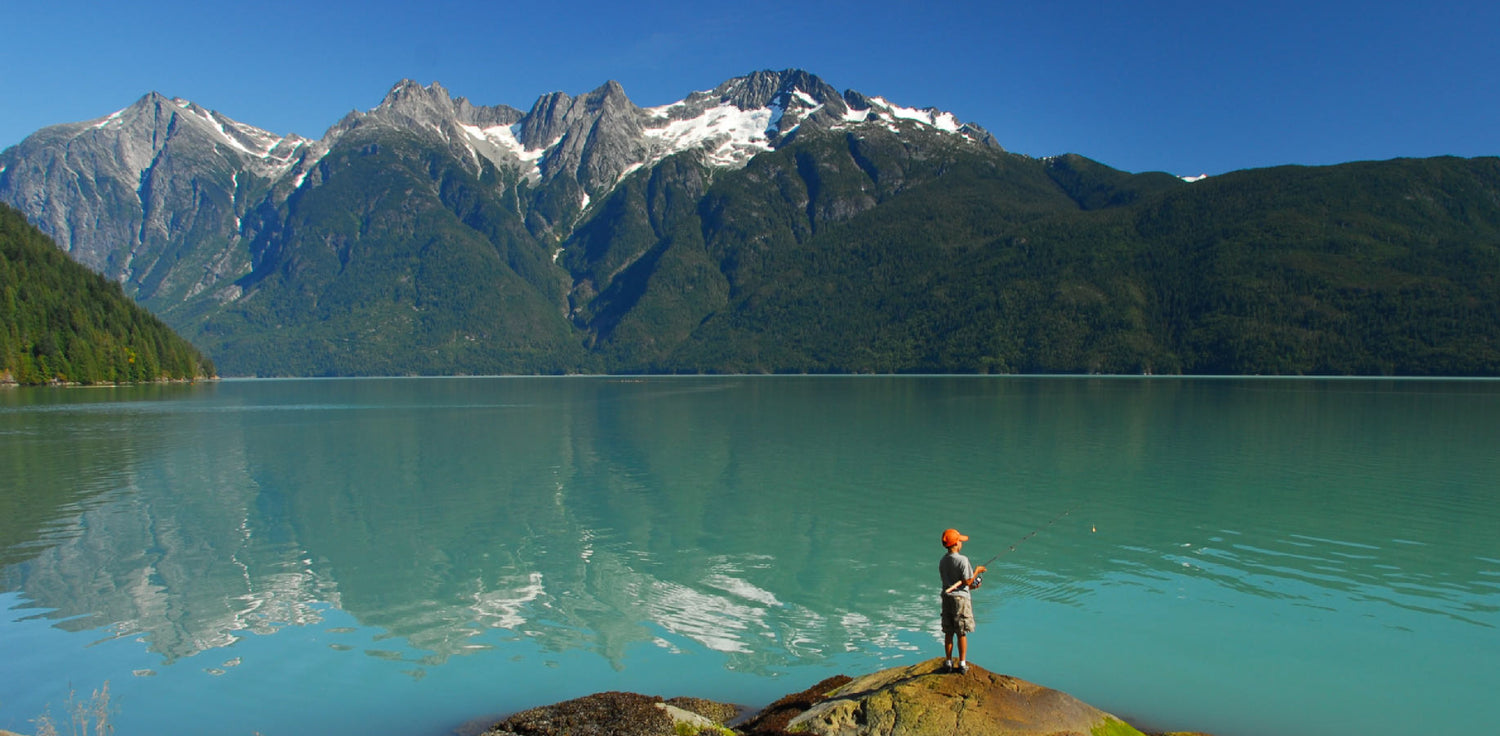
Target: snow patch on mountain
(312, 156)
(503, 138)
(932, 117)
(246, 139)
(631, 169)
(728, 135)
(114, 117)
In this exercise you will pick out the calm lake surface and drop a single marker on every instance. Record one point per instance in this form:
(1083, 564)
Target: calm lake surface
(1246, 557)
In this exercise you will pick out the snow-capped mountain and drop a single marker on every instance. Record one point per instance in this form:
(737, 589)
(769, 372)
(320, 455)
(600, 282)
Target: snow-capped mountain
(230, 232)
(123, 192)
(601, 137)
(105, 188)
(270, 152)
(769, 224)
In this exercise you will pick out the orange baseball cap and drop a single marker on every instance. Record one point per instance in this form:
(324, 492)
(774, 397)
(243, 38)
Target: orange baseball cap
(952, 537)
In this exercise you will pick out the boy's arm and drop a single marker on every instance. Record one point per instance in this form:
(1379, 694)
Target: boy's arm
(969, 583)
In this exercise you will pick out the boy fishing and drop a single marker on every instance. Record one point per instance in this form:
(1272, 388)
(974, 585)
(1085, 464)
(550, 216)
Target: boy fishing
(959, 577)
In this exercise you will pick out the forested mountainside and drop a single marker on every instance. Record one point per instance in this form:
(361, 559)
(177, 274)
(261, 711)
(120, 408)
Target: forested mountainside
(60, 322)
(772, 224)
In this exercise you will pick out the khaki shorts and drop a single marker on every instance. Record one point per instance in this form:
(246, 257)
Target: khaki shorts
(958, 614)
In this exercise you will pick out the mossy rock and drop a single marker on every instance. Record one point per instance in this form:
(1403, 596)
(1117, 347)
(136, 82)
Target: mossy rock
(620, 714)
(712, 710)
(601, 714)
(773, 719)
(924, 700)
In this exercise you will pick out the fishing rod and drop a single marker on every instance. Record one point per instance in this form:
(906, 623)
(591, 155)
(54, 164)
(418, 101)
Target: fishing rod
(1010, 549)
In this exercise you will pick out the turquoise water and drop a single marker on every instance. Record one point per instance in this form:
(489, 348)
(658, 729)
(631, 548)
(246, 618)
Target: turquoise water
(1239, 556)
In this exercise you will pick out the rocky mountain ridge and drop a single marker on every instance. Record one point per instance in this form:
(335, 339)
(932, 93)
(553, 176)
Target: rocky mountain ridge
(770, 224)
(115, 192)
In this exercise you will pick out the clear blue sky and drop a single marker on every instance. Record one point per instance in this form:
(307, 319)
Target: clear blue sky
(1184, 86)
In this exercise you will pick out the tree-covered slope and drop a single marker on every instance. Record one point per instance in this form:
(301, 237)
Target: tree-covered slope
(1382, 268)
(1364, 269)
(60, 322)
(1368, 268)
(878, 252)
(399, 262)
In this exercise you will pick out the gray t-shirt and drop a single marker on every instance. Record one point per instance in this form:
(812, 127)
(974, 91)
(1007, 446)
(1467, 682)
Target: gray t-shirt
(955, 567)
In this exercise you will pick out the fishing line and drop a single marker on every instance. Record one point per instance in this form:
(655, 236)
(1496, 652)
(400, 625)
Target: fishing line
(978, 579)
(1033, 533)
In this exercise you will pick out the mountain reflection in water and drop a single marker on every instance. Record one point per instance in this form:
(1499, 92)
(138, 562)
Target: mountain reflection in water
(770, 522)
(437, 521)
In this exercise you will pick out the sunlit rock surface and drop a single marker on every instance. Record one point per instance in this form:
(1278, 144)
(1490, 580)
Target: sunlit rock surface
(924, 699)
(921, 700)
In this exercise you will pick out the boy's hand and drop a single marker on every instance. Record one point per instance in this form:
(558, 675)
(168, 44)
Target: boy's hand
(979, 570)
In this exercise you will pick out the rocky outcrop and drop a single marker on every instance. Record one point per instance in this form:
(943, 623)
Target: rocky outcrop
(619, 714)
(919, 700)
(773, 720)
(924, 700)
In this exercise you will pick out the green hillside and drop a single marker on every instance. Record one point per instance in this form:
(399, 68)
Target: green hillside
(1006, 264)
(400, 263)
(870, 251)
(875, 253)
(60, 322)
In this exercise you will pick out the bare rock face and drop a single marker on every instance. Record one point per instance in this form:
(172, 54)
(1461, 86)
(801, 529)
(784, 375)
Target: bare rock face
(922, 700)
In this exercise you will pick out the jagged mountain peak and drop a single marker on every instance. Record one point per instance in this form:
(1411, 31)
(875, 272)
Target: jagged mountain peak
(777, 92)
(115, 192)
(600, 136)
(610, 91)
(411, 102)
(155, 118)
(408, 96)
(764, 88)
(595, 138)
(410, 86)
(134, 136)
(764, 109)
